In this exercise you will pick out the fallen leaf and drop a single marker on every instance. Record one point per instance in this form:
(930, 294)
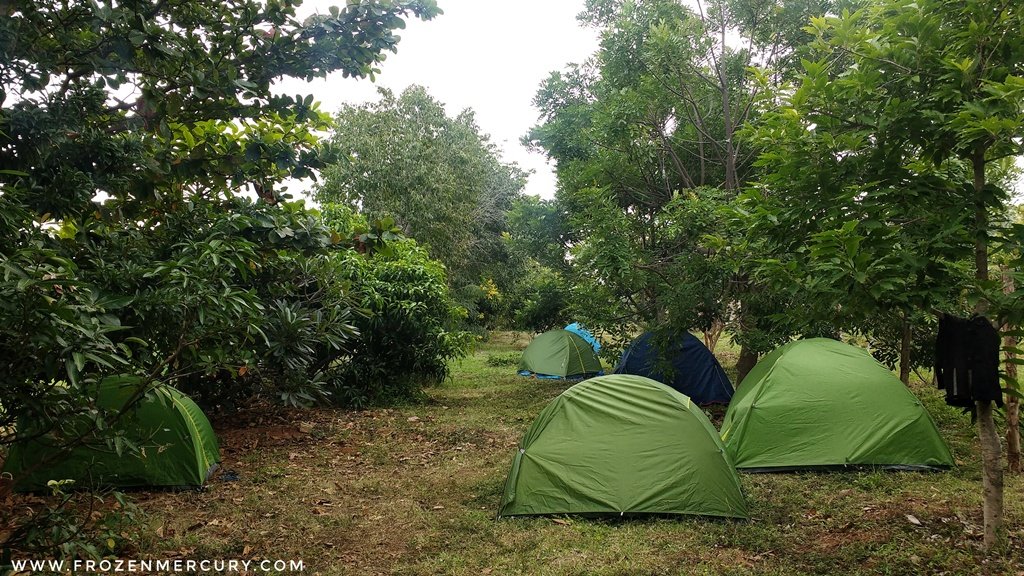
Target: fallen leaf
(438, 507)
(913, 520)
(561, 521)
(414, 419)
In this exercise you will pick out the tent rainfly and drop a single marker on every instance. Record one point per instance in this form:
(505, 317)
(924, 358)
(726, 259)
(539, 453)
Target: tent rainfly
(694, 370)
(820, 403)
(582, 332)
(179, 448)
(622, 444)
(559, 354)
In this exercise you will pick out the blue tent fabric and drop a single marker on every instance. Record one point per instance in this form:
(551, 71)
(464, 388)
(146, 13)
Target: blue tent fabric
(552, 377)
(695, 370)
(585, 334)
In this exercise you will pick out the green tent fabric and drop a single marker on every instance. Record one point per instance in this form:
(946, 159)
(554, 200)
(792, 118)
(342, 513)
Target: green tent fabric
(622, 444)
(179, 446)
(822, 403)
(559, 354)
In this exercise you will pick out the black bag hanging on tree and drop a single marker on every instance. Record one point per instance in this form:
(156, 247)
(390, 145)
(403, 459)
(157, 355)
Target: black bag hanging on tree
(967, 361)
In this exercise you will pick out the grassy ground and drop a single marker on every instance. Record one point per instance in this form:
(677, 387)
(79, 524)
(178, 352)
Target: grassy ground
(413, 490)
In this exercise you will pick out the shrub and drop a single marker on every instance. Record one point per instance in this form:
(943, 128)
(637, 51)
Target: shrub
(408, 330)
(504, 359)
(545, 302)
(243, 298)
(75, 525)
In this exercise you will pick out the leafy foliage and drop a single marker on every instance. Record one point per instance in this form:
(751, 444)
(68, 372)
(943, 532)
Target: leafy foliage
(239, 298)
(166, 110)
(92, 526)
(146, 99)
(645, 139)
(884, 221)
(438, 177)
(501, 360)
(408, 330)
(877, 198)
(544, 300)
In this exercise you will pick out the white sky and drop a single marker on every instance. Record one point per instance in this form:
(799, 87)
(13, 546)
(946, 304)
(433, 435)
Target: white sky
(488, 55)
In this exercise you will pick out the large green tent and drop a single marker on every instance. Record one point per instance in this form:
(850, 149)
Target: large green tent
(177, 443)
(559, 354)
(622, 444)
(822, 403)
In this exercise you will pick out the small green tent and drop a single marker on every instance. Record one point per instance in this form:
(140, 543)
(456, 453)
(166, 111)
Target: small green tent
(178, 445)
(559, 354)
(622, 444)
(822, 403)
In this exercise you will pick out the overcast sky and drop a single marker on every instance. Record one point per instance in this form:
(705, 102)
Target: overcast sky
(488, 55)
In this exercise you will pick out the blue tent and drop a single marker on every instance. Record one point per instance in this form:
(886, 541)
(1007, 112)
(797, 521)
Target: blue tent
(585, 334)
(695, 370)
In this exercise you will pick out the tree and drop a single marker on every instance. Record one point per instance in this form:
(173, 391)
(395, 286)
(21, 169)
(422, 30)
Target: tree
(539, 229)
(158, 105)
(645, 140)
(98, 90)
(896, 118)
(166, 108)
(439, 177)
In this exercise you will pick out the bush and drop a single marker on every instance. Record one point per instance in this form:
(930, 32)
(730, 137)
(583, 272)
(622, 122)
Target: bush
(545, 302)
(79, 525)
(238, 298)
(408, 330)
(225, 299)
(504, 359)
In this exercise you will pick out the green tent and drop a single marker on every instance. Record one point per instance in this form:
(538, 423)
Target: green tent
(821, 403)
(622, 444)
(179, 446)
(559, 354)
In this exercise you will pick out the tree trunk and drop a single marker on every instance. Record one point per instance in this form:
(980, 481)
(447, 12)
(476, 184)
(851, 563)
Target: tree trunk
(992, 473)
(1012, 402)
(660, 313)
(746, 362)
(731, 179)
(1013, 434)
(713, 334)
(906, 337)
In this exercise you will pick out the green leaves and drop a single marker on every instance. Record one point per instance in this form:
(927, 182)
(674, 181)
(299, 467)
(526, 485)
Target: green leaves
(165, 111)
(188, 66)
(439, 179)
(407, 330)
(867, 200)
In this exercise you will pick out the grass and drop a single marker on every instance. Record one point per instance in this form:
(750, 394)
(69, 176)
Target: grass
(414, 490)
